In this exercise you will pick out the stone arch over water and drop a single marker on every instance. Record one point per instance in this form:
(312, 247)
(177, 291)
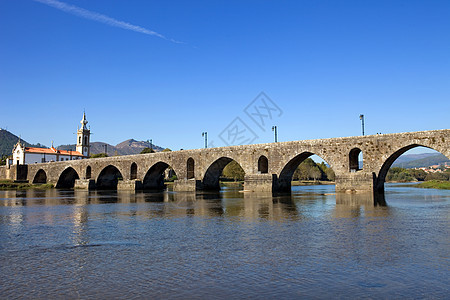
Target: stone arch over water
(155, 176)
(381, 176)
(212, 175)
(283, 184)
(108, 178)
(40, 177)
(67, 178)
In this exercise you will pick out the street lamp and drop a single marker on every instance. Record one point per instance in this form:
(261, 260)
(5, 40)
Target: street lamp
(205, 135)
(274, 129)
(106, 148)
(361, 117)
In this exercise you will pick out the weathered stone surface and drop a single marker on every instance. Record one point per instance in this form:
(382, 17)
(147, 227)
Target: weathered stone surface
(186, 185)
(258, 183)
(206, 165)
(129, 185)
(85, 184)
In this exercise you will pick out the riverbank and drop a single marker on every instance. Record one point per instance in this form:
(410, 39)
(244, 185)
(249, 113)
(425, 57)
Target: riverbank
(434, 184)
(431, 184)
(11, 185)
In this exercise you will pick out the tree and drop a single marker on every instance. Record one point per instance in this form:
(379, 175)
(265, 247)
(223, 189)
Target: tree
(315, 173)
(233, 171)
(147, 150)
(3, 160)
(167, 150)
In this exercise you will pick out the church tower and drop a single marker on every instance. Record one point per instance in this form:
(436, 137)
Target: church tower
(83, 137)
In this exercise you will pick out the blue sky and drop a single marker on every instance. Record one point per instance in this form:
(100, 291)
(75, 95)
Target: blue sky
(322, 63)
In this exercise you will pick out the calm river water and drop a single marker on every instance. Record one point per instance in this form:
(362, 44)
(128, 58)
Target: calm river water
(77, 244)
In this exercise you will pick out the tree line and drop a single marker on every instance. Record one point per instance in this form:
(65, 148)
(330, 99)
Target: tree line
(407, 175)
(307, 170)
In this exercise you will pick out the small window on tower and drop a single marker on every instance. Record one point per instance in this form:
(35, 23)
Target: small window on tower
(79, 140)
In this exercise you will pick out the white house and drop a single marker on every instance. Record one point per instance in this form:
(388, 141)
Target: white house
(30, 155)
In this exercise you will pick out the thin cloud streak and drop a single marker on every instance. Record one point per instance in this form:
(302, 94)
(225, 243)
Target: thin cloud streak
(84, 13)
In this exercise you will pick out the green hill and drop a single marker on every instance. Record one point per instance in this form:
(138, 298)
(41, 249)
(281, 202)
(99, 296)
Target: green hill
(8, 140)
(423, 162)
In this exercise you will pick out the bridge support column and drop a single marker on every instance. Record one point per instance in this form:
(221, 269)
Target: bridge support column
(85, 184)
(358, 182)
(129, 185)
(186, 185)
(259, 183)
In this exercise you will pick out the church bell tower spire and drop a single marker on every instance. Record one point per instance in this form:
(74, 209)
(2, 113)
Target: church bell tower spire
(83, 137)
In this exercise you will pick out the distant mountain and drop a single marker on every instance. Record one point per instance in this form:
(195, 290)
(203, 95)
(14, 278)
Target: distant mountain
(428, 159)
(127, 147)
(411, 157)
(8, 140)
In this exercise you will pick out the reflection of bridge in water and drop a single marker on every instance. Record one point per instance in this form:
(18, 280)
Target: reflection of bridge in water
(267, 167)
(231, 204)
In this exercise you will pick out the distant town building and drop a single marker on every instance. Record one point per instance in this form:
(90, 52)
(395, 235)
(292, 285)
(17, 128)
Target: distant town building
(31, 155)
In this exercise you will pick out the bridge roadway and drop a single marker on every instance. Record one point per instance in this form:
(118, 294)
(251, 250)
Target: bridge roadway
(268, 167)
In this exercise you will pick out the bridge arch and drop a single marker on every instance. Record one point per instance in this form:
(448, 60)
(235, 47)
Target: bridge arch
(67, 178)
(88, 172)
(214, 171)
(286, 175)
(381, 178)
(133, 171)
(353, 159)
(190, 168)
(154, 178)
(263, 165)
(40, 177)
(108, 178)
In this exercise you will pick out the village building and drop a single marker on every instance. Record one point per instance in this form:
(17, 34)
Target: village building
(23, 155)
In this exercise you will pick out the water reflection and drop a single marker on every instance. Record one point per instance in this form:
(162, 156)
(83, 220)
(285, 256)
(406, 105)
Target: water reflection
(228, 203)
(311, 243)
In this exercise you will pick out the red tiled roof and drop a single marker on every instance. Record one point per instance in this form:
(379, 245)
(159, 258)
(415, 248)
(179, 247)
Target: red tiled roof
(51, 150)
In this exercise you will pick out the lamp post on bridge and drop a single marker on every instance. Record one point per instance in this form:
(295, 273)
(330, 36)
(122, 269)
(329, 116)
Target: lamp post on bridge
(205, 135)
(361, 117)
(274, 129)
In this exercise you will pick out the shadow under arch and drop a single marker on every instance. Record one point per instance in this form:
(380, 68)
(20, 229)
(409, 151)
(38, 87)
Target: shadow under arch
(67, 178)
(381, 178)
(190, 168)
(133, 171)
(353, 160)
(40, 177)
(154, 178)
(88, 172)
(263, 164)
(212, 175)
(108, 178)
(283, 184)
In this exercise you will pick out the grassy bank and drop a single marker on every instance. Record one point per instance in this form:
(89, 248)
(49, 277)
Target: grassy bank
(433, 184)
(11, 185)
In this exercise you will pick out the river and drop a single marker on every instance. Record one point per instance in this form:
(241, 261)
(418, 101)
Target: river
(95, 245)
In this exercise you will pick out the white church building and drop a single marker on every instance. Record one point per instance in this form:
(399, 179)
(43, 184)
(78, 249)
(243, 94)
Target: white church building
(30, 155)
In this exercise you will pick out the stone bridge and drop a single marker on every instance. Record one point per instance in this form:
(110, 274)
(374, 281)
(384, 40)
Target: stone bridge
(268, 167)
